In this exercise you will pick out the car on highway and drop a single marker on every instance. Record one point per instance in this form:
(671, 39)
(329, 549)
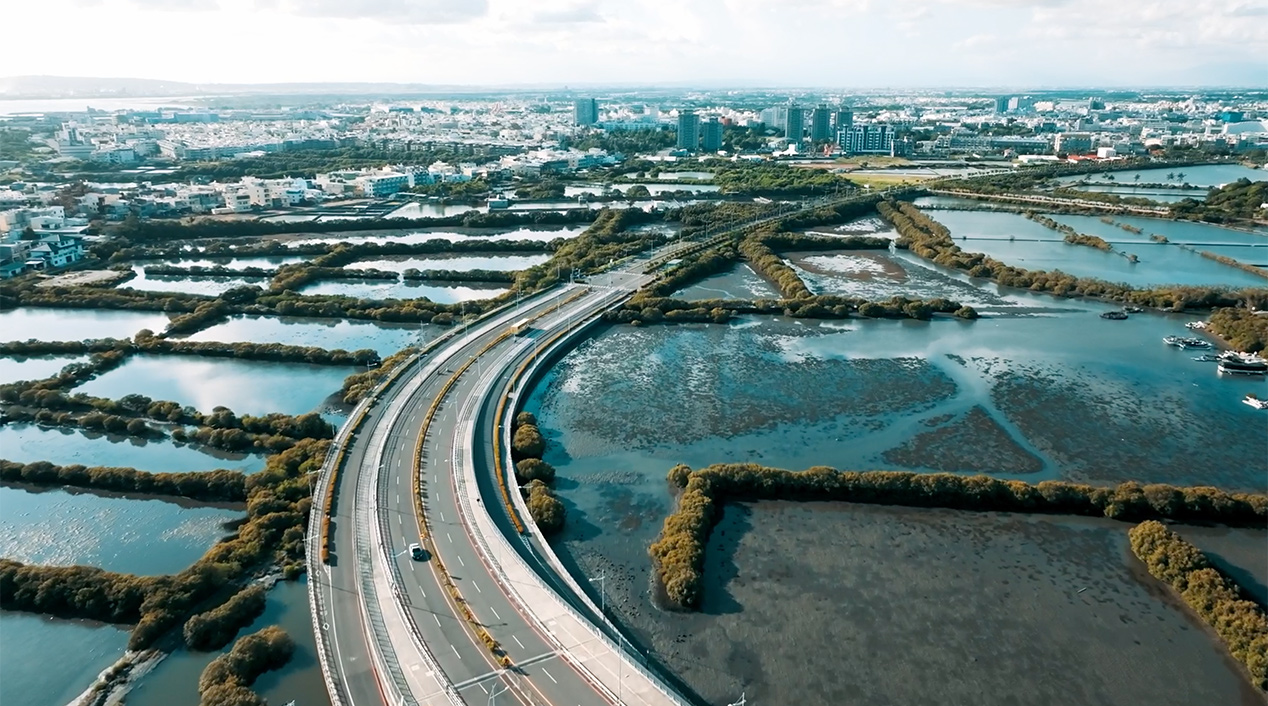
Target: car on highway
(417, 552)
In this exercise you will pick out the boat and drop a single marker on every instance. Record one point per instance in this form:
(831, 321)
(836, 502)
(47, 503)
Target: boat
(1231, 363)
(1196, 325)
(1207, 358)
(1115, 315)
(1182, 342)
(1255, 402)
(1133, 309)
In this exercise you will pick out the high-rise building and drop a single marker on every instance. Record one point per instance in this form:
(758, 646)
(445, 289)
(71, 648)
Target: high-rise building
(775, 117)
(867, 138)
(1001, 104)
(585, 111)
(688, 130)
(845, 118)
(821, 124)
(711, 135)
(795, 124)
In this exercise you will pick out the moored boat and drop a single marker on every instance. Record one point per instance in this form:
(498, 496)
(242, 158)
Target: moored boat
(1115, 315)
(1231, 363)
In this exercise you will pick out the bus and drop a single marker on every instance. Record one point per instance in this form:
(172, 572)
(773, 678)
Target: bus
(522, 327)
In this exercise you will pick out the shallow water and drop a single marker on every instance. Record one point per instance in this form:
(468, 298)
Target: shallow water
(176, 678)
(33, 646)
(34, 367)
(544, 234)
(74, 324)
(740, 282)
(500, 263)
(1204, 175)
(134, 535)
(1038, 248)
(349, 334)
(840, 603)
(438, 292)
(245, 386)
(27, 443)
(213, 286)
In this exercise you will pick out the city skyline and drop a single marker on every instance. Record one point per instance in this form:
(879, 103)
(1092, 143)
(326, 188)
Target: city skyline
(717, 43)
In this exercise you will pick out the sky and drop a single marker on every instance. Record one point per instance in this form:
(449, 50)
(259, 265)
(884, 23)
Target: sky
(742, 43)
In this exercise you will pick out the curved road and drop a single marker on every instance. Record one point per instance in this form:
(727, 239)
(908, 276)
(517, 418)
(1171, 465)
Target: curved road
(390, 632)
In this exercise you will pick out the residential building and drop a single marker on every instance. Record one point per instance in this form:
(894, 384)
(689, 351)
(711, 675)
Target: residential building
(688, 130)
(1074, 143)
(382, 184)
(775, 117)
(1001, 104)
(711, 135)
(795, 127)
(876, 139)
(585, 112)
(821, 124)
(845, 118)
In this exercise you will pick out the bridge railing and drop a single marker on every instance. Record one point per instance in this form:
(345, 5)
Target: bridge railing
(495, 546)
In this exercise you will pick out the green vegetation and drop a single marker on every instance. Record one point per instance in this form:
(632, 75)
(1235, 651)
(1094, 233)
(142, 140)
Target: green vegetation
(227, 680)
(930, 239)
(277, 505)
(471, 189)
(1232, 262)
(15, 144)
(774, 179)
(217, 627)
(531, 469)
(527, 443)
(1243, 329)
(1241, 623)
(501, 276)
(1241, 200)
(147, 342)
(211, 486)
(678, 554)
(1091, 241)
(357, 385)
(547, 511)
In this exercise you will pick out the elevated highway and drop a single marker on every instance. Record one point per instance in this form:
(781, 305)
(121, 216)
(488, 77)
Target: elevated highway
(491, 614)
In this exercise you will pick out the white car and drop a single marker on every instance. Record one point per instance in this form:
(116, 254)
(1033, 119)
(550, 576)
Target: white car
(416, 551)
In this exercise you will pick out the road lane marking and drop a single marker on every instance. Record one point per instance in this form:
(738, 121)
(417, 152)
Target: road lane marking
(460, 561)
(477, 587)
(548, 674)
(449, 538)
(442, 515)
(433, 617)
(455, 651)
(495, 612)
(517, 641)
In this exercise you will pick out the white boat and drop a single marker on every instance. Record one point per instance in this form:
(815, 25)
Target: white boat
(1233, 363)
(1255, 402)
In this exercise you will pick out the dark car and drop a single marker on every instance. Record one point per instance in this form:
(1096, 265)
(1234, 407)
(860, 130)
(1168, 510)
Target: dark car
(417, 552)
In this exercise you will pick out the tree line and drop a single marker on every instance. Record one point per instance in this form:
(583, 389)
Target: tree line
(208, 486)
(1240, 622)
(527, 447)
(227, 680)
(215, 628)
(147, 342)
(931, 240)
(1242, 328)
(277, 505)
(678, 554)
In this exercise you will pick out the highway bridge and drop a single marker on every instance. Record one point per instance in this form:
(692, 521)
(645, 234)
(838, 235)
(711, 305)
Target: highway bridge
(490, 615)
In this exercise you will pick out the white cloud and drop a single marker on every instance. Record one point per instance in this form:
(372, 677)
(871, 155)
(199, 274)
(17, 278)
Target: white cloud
(752, 42)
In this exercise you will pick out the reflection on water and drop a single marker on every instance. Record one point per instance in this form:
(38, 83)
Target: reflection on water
(48, 662)
(1037, 248)
(27, 443)
(245, 386)
(349, 334)
(176, 678)
(1204, 175)
(268, 262)
(34, 368)
(213, 286)
(75, 324)
(499, 263)
(144, 536)
(739, 282)
(540, 234)
(438, 292)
